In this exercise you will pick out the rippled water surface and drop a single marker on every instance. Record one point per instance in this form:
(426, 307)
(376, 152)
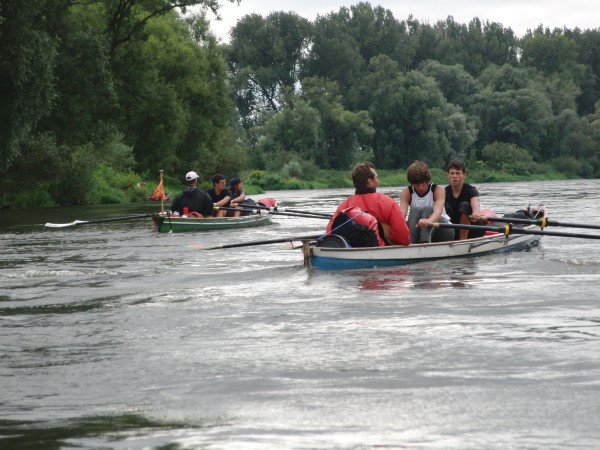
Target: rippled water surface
(116, 337)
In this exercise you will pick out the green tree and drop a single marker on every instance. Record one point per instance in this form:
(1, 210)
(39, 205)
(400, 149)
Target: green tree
(28, 50)
(413, 120)
(550, 53)
(505, 78)
(594, 121)
(176, 98)
(79, 93)
(518, 117)
(313, 126)
(86, 108)
(500, 45)
(555, 55)
(473, 46)
(508, 116)
(573, 137)
(335, 54)
(377, 32)
(347, 135)
(451, 48)
(265, 56)
(125, 20)
(457, 85)
(293, 134)
(508, 158)
(424, 40)
(588, 46)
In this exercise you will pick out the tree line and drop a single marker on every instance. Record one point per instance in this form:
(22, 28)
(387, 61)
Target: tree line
(98, 94)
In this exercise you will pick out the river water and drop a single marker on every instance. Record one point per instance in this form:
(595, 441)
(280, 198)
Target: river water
(116, 337)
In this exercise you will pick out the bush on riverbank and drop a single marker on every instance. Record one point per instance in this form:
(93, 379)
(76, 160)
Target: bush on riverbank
(257, 181)
(108, 186)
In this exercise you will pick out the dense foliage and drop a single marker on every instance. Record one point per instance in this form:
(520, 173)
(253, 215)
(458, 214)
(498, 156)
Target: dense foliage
(98, 95)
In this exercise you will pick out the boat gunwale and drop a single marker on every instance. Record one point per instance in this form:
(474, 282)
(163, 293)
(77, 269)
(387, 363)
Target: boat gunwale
(482, 240)
(240, 219)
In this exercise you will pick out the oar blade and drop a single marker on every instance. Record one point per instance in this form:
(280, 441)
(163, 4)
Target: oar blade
(65, 225)
(85, 222)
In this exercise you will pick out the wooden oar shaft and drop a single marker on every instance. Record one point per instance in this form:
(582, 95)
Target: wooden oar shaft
(253, 210)
(512, 230)
(265, 242)
(283, 210)
(86, 222)
(460, 226)
(543, 222)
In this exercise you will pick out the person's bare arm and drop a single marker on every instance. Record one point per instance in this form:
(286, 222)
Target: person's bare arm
(404, 201)
(439, 203)
(223, 201)
(475, 208)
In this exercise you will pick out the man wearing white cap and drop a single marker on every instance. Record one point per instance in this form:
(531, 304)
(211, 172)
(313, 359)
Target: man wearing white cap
(197, 203)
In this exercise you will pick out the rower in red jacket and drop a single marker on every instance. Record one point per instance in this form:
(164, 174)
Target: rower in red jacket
(392, 226)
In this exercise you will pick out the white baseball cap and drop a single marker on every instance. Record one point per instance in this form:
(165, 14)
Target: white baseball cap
(190, 176)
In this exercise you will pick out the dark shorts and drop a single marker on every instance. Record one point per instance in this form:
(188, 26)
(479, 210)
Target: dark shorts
(464, 208)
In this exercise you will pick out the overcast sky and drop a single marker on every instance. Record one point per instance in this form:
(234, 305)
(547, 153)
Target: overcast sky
(519, 15)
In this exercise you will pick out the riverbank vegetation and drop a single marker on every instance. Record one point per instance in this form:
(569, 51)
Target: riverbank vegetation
(97, 96)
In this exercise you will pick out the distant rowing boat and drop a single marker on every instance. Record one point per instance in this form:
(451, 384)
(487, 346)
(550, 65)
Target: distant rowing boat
(334, 255)
(166, 223)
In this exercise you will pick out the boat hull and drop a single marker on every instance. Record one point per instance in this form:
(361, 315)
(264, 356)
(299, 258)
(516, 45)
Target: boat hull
(396, 255)
(171, 224)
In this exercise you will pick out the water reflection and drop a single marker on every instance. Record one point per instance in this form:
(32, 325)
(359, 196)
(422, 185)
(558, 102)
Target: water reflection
(427, 276)
(384, 280)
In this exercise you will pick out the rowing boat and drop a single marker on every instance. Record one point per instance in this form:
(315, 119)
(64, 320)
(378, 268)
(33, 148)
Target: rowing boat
(167, 223)
(335, 255)
(395, 255)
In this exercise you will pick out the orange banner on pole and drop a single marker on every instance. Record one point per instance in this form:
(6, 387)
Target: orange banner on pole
(159, 193)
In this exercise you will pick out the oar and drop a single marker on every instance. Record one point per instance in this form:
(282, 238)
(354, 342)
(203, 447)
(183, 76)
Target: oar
(86, 222)
(507, 229)
(277, 209)
(263, 242)
(256, 211)
(541, 222)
